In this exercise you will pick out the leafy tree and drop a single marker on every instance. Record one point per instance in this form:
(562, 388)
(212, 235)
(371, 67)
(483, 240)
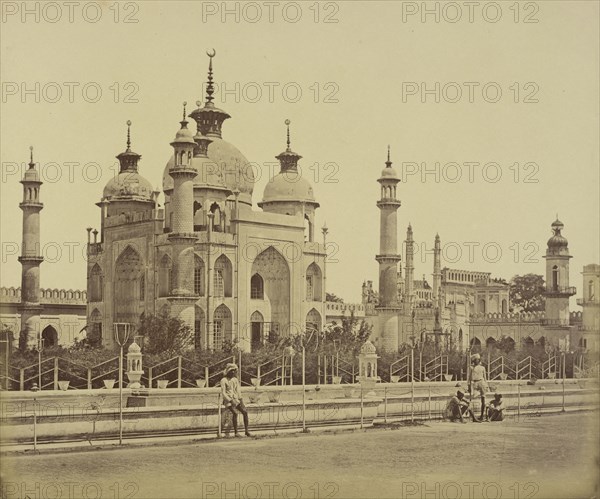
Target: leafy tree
(333, 298)
(165, 334)
(348, 336)
(526, 292)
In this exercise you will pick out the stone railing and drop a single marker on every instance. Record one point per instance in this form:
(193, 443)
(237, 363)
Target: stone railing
(508, 317)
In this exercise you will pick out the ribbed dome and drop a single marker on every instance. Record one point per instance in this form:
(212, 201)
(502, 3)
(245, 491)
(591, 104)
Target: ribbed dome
(184, 136)
(31, 175)
(289, 186)
(557, 240)
(128, 183)
(225, 166)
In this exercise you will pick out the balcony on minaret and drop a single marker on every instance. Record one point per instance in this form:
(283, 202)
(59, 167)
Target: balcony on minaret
(560, 290)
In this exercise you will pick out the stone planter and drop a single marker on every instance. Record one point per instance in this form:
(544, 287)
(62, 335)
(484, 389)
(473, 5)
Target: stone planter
(448, 377)
(274, 396)
(255, 381)
(336, 380)
(253, 396)
(552, 375)
(394, 378)
(63, 385)
(503, 376)
(109, 383)
(162, 383)
(200, 383)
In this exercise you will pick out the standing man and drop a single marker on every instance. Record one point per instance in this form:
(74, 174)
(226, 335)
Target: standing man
(232, 397)
(478, 381)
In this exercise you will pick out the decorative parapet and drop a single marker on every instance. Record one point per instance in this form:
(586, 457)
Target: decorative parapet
(128, 218)
(55, 296)
(334, 309)
(508, 317)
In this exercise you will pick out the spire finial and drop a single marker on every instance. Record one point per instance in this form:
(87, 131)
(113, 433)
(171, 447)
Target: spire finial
(184, 104)
(31, 163)
(210, 89)
(388, 163)
(128, 135)
(287, 123)
(388, 152)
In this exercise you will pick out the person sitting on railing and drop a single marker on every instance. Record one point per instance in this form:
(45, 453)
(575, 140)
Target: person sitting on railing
(457, 408)
(478, 380)
(495, 409)
(232, 397)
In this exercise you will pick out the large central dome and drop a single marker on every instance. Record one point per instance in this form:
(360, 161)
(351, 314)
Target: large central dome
(225, 167)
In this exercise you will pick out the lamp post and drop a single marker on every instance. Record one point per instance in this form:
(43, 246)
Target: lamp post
(122, 332)
(40, 347)
(304, 341)
(34, 389)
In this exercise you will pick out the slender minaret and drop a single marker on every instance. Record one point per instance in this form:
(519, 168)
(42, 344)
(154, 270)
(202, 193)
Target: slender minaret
(182, 237)
(388, 257)
(30, 307)
(409, 272)
(437, 273)
(558, 290)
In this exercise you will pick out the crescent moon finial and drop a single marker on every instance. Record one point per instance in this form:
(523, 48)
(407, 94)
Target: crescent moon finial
(208, 53)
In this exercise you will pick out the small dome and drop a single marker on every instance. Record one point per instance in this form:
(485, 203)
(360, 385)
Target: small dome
(128, 183)
(134, 348)
(184, 136)
(557, 241)
(389, 173)
(368, 348)
(289, 186)
(31, 175)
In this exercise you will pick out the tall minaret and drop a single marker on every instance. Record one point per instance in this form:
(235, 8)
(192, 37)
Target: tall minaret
(30, 258)
(388, 257)
(558, 290)
(437, 273)
(182, 237)
(409, 272)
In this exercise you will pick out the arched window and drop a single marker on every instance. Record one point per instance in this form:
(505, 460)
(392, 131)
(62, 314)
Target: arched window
(313, 283)
(198, 276)
(222, 278)
(528, 342)
(199, 322)
(475, 343)
(482, 306)
(591, 291)
(313, 321)
(215, 209)
(555, 278)
(126, 297)
(221, 327)
(256, 330)
(164, 276)
(96, 283)
(308, 229)
(490, 342)
(257, 291)
(504, 306)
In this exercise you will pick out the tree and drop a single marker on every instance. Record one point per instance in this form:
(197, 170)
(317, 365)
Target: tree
(165, 334)
(527, 293)
(333, 298)
(350, 335)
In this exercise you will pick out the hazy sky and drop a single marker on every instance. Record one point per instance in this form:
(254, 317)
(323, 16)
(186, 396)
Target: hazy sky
(363, 80)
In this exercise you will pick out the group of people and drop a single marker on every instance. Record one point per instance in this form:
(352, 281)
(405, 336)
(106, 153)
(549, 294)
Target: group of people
(459, 408)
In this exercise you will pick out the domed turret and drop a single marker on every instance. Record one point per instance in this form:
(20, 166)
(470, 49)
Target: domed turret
(557, 240)
(128, 183)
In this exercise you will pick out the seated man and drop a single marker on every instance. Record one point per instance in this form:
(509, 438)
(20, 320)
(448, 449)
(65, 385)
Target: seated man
(495, 408)
(458, 407)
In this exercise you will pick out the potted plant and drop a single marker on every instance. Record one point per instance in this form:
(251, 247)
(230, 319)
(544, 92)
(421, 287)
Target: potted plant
(274, 396)
(63, 385)
(109, 383)
(551, 375)
(503, 376)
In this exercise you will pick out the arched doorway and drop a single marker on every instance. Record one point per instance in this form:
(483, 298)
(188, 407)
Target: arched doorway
(49, 337)
(257, 322)
(129, 269)
(475, 343)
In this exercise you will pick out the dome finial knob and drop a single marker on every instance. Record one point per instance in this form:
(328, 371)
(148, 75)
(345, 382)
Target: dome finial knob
(209, 88)
(31, 163)
(287, 124)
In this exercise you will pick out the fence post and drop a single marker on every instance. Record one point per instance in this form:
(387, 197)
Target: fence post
(219, 416)
(149, 377)
(518, 401)
(56, 373)
(412, 386)
(21, 379)
(385, 404)
(430, 402)
(206, 376)
(179, 373)
(89, 378)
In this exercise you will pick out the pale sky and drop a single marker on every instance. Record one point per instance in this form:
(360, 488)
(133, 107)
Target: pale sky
(360, 66)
